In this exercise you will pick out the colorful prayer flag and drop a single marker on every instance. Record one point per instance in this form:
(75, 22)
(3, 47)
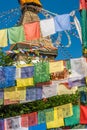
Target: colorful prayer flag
(83, 114)
(62, 22)
(58, 120)
(47, 30)
(3, 38)
(66, 110)
(38, 127)
(32, 31)
(75, 118)
(16, 34)
(83, 4)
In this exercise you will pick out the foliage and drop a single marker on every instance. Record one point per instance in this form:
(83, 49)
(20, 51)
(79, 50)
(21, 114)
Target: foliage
(18, 109)
(5, 60)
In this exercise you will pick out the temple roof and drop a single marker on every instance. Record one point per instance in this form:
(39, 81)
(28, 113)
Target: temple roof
(43, 46)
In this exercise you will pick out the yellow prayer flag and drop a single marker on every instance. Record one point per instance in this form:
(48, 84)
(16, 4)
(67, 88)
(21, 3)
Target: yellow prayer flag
(66, 110)
(22, 93)
(58, 120)
(15, 93)
(8, 91)
(3, 38)
(18, 94)
(25, 82)
(62, 89)
(56, 66)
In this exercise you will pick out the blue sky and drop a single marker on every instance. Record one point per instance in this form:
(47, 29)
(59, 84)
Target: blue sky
(56, 6)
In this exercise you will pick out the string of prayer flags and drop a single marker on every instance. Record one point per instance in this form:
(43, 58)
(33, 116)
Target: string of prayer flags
(75, 118)
(58, 119)
(66, 110)
(32, 31)
(78, 27)
(62, 22)
(83, 114)
(16, 34)
(47, 30)
(3, 38)
(41, 72)
(38, 127)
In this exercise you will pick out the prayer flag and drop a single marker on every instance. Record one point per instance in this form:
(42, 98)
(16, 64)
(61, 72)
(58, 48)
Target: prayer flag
(75, 118)
(32, 31)
(3, 38)
(62, 22)
(47, 30)
(16, 34)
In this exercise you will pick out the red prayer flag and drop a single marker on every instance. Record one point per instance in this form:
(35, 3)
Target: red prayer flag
(83, 4)
(7, 102)
(83, 114)
(32, 31)
(32, 119)
(24, 120)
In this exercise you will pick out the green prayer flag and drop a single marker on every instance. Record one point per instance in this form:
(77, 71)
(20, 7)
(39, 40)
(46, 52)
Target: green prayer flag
(75, 118)
(41, 117)
(16, 34)
(49, 115)
(84, 27)
(41, 72)
(45, 116)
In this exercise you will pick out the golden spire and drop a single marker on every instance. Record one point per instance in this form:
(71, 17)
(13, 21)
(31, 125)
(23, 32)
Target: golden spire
(36, 2)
